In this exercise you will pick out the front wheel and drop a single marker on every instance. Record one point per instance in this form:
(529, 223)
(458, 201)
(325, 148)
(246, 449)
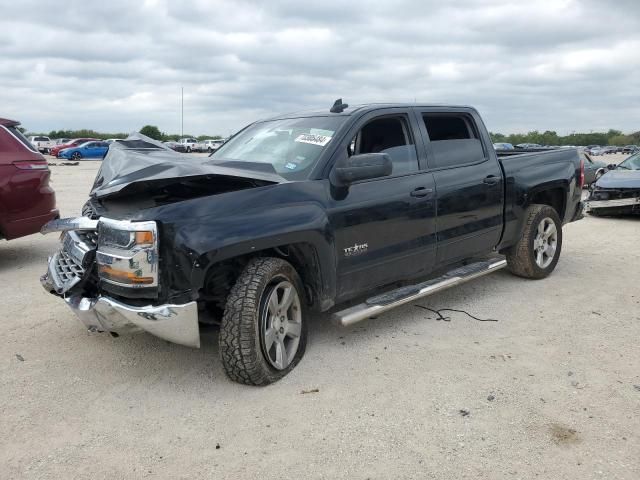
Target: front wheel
(263, 334)
(537, 252)
(188, 149)
(76, 156)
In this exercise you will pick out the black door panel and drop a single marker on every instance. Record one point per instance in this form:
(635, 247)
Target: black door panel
(383, 233)
(469, 211)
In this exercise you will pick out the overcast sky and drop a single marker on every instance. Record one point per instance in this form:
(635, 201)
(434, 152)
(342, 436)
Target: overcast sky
(115, 65)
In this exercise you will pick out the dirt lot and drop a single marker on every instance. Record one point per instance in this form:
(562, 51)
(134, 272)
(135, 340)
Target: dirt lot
(551, 390)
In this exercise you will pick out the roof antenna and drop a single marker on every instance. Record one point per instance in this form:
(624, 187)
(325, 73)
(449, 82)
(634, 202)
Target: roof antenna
(338, 106)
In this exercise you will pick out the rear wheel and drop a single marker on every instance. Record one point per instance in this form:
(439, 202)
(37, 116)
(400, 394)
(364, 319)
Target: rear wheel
(263, 334)
(537, 252)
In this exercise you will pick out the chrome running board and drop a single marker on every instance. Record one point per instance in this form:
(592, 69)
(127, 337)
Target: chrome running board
(382, 303)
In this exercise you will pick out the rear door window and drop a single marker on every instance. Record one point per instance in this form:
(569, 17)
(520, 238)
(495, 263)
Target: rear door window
(454, 140)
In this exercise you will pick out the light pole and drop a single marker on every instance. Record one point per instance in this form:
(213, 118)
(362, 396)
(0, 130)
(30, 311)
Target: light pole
(181, 112)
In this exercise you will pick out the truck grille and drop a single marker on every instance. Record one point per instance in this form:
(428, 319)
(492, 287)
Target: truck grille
(67, 269)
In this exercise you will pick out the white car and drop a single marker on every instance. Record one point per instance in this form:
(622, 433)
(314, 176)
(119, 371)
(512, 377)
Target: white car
(41, 143)
(211, 145)
(190, 144)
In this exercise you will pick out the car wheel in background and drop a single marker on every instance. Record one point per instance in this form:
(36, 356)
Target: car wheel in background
(537, 252)
(76, 155)
(188, 149)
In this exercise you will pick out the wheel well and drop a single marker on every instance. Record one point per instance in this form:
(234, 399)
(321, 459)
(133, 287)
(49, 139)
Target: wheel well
(221, 276)
(554, 197)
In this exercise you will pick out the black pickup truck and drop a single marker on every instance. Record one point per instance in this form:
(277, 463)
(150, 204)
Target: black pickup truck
(353, 210)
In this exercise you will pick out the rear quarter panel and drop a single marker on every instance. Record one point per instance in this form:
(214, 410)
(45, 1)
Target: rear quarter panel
(529, 174)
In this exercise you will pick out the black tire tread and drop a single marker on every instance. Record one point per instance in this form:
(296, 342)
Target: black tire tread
(239, 352)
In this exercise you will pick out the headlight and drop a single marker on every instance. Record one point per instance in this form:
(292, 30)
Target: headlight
(127, 253)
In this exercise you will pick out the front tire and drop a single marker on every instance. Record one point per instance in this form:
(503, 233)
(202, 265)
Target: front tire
(76, 156)
(537, 252)
(263, 334)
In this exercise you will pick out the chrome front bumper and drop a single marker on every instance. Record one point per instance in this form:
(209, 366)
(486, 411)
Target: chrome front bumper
(621, 202)
(174, 323)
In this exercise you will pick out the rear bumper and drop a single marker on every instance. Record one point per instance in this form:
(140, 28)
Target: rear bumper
(174, 323)
(620, 202)
(29, 226)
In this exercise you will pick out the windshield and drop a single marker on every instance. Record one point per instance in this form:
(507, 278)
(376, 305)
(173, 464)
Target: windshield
(631, 163)
(292, 146)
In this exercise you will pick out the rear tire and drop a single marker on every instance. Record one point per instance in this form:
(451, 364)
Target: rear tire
(537, 252)
(263, 334)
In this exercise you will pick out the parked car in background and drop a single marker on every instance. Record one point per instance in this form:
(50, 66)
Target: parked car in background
(211, 145)
(111, 140)
(525, 146)
(86, 150)
(70, 144)
(593, 169)
(630, 149)
(41, 143)
(175, 146)
(617, 192)
(608, 150)
(62, 141)
(199, 146)
(503, 146)
(189, 144)
(27, 201)
(595, 151)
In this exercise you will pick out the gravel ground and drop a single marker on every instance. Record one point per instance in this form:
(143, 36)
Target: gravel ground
(551, 390)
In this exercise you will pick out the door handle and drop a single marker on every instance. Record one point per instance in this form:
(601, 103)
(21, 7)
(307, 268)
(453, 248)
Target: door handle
(491, 180)
(421, 192)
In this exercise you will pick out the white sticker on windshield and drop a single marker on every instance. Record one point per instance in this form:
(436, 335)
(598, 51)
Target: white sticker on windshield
(320, 140)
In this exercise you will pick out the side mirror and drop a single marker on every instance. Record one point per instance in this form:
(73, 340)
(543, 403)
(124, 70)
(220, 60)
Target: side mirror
(611, 166)
(364, 166)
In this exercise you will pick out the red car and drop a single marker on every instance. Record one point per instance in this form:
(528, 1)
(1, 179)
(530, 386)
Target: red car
(70, 144)
(27, 201)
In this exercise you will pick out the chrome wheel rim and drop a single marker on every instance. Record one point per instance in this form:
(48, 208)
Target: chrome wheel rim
(281, 325)
(545, 243)
(75, 156)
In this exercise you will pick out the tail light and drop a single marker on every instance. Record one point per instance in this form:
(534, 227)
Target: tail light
(581, 172)
(31, 165)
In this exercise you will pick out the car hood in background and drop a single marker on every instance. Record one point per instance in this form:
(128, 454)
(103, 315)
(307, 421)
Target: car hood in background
(140, 159)
(620, 179)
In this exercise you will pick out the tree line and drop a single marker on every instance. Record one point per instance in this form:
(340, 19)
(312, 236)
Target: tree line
(549, 137)
(149, 130)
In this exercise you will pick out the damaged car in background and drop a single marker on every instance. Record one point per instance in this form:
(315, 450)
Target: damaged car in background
(618, 191)
(354, 210)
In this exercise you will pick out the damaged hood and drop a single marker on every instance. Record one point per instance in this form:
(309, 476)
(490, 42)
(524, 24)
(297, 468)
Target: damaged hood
(131, 163)
(620, 178)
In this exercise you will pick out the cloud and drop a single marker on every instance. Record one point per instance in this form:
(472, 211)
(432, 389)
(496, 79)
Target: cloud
(115, 66)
